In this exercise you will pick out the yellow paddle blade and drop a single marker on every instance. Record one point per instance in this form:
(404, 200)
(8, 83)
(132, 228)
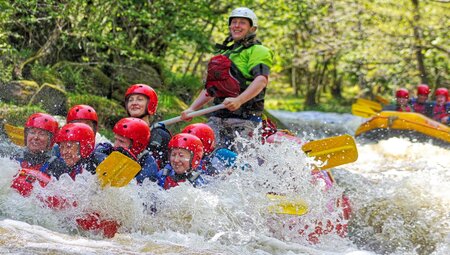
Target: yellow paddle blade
(284, 206)
(335, 151)
(371, 104)
(381, 99)
(15, 134)
(362, 111)
(117, 170)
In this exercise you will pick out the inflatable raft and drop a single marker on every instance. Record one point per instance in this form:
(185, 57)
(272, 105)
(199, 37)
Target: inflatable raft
(416, 126)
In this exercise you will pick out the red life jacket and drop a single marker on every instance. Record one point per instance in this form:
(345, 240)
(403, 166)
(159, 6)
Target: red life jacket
(405, 108)
(420, 108)
(224, 78)
(439, 112)
(23, 181)
(170, 183)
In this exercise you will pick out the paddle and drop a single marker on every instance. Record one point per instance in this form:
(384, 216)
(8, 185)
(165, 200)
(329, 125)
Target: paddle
(382, 99)
(194, 114)
(362, 111)
(335, 151)
(117, 170)
(371, 104)
(15, 134)
(284, 206)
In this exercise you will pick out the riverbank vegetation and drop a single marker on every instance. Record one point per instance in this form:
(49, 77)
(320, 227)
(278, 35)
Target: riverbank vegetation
(327, 52)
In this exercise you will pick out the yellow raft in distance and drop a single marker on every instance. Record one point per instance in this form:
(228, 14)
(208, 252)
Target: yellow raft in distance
(410, 124)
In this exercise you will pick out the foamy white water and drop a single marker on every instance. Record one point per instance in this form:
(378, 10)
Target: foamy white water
(399, 191)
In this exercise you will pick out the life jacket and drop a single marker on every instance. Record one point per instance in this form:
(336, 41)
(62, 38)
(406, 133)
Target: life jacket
(28, 174)
(168, 178)
(89, 164)
(440, 111)
(405, 108)
(419, 107)
(224, 79)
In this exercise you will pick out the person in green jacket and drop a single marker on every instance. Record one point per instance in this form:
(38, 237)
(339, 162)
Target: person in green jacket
(237, 77)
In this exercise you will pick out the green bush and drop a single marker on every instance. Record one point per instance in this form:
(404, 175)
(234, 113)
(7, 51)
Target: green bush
(186, 87)
(17, 115)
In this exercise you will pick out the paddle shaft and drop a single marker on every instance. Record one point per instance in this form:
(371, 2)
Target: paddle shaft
(194, 114)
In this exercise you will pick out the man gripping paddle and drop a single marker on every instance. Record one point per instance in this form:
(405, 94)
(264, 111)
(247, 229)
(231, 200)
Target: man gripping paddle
(237, 78)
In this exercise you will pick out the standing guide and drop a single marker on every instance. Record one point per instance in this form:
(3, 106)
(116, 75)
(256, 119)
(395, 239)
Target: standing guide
(237, 77)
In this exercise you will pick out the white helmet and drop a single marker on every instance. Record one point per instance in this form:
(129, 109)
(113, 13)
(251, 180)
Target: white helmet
(244, 12)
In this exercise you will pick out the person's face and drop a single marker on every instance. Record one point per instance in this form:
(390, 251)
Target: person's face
(38, 140)
(422, 98)
(87, 122)
(402, 101)
(180, 160)
(240, 27)
(70, 152)
(440, 99)
(121, 141)
(137, 105)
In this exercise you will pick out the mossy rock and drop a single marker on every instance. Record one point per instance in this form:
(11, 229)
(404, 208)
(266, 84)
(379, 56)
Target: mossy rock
(51, 98)
(134, 74)
(19, 92)
(45, 74)
(84, 79)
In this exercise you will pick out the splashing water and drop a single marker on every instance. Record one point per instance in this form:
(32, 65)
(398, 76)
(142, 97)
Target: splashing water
(399, 192)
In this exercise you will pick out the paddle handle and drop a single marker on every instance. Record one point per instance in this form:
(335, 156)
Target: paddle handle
(194, 114)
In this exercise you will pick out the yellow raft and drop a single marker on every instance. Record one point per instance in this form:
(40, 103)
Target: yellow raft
(414, 125)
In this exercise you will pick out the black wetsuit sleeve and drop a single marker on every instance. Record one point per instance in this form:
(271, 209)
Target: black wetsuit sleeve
(158, 145)
(57, 168)
(260, 69)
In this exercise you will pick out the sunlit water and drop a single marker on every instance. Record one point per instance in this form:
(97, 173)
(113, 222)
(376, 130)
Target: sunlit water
(399, 191)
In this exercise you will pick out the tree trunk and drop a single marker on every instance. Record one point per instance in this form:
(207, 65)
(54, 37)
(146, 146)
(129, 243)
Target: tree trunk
(294, 79)
(42, 52)
(294, 68)
(336, 87)
(418, 43)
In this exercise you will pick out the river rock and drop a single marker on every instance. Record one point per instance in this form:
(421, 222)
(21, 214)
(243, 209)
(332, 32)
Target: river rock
(19, 92)
(51, 98)
(141, 73)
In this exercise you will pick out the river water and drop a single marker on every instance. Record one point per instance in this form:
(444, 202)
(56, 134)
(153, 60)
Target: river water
(399, 190)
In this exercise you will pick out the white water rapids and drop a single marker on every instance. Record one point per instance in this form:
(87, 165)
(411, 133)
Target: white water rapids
(399, 190)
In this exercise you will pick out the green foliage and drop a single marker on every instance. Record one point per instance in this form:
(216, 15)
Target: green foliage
(185, 86)
(44, 74)
(17, 115)
(5, 72)
(359, 46)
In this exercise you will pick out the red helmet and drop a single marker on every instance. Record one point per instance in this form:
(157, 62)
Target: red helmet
(43, 121)
(441, 92)
(82, 112)
(204, 132)
(402, 93)
(78, 132)
(135, 129)
(146, 91)
(190, 143)
(423, 89)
